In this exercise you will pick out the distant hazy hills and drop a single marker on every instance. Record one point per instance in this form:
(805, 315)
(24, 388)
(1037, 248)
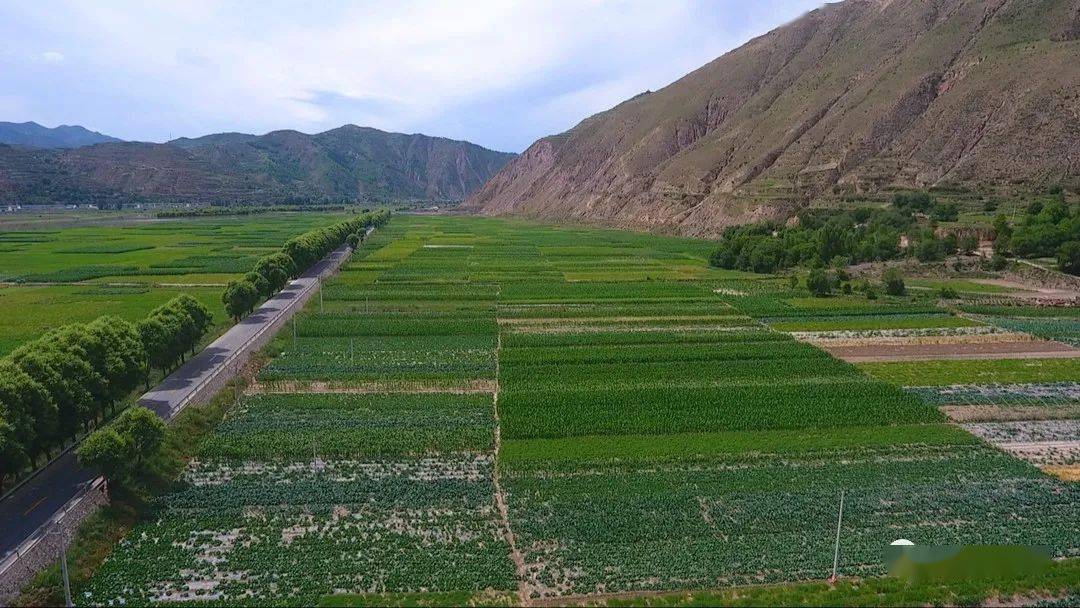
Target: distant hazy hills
(347, 163)
(35, 135)
(856, 97)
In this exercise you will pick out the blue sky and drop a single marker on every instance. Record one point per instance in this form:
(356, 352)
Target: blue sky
(498, 73)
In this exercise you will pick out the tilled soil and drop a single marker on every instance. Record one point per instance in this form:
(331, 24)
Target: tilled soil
(1033, 349)
(1006, 413)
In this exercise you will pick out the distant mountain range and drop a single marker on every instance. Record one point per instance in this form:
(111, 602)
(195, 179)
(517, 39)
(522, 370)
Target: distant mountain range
(34, 135)
(852, 99)
(343, 164)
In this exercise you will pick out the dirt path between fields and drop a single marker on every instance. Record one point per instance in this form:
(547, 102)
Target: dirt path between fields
(500, 493)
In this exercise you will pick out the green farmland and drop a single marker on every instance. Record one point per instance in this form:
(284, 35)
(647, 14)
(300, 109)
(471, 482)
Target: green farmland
(53, 276)
(487, 412)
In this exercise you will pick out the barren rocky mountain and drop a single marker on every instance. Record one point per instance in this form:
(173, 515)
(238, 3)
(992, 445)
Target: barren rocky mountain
(856, 97)
(348, 163)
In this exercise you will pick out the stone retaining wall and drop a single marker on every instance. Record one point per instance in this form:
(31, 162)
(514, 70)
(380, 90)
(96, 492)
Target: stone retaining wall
(43, 549)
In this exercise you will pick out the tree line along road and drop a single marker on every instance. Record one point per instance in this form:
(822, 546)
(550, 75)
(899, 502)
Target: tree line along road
(34, 503)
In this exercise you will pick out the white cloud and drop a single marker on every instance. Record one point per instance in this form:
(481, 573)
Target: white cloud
(404, 65)
(52, 57)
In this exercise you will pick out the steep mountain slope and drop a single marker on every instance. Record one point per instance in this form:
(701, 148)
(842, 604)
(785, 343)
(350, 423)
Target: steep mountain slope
(854, 97)
(34, 135)
(347, 163)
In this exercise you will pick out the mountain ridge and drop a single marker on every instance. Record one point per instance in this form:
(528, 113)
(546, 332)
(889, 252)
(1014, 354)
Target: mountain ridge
(853, 98)
(346, 163)
(32, 134)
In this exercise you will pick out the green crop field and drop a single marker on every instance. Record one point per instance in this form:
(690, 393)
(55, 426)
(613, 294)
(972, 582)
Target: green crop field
(482, 411)
(1001, 371)
(51, 276)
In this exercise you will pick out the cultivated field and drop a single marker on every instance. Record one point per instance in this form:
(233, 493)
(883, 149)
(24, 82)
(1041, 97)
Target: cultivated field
(58, 275)
(494, 412)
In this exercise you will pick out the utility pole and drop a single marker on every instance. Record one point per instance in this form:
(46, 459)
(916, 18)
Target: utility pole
(836, 548)
(64, 566)
(294, 331)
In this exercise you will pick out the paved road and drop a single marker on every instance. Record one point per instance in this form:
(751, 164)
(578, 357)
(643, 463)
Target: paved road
(22, 513)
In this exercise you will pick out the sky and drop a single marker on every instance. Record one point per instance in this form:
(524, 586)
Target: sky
(498, 73)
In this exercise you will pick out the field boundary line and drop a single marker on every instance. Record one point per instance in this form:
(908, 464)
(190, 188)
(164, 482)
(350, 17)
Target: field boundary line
(500, 493)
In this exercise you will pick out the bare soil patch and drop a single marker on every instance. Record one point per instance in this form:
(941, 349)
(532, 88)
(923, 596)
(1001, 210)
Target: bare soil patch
(1045, 453)
(1007, 413)
(1030, 349)
(1069, 472)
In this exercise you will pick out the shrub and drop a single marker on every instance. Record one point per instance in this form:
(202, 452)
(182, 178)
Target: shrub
(819, 283)
(867, 289)
(1069, 257)
(945, 212)
(894, 283)
(912, 202)
(968, 243)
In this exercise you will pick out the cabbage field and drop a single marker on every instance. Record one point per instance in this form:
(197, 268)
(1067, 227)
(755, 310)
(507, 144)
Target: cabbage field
(488, 412)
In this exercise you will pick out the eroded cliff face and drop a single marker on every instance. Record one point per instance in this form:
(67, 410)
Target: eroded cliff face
(855, 97)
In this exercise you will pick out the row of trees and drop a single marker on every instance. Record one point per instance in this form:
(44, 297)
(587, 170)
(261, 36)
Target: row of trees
(271, 273)
(122, 449)
(171, 332)
(73, 377)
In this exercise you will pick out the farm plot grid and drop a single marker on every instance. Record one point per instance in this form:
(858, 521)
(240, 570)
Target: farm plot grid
(498, 412)
(1004, 374)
